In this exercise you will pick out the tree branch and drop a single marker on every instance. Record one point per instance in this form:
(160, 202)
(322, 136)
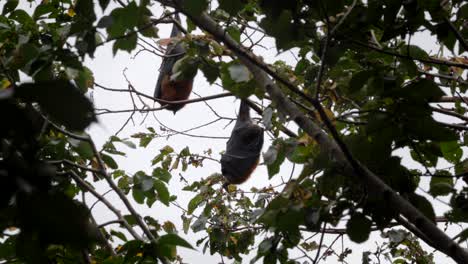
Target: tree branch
(108, 178)
(119, 192)
(451, 99)
(189, 101)
(336, 151)
(450, 113)
(428, 61)
(118, 221)
(85, 186)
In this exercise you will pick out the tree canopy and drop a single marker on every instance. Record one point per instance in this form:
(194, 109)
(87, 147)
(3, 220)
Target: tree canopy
(367, 114)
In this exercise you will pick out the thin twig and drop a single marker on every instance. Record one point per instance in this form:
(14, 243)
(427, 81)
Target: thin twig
(189, 101)
(118, 221)
(108, 178)
(450, 113)
(428, 61)
(320, 244)
(109, 205)
(119, 192)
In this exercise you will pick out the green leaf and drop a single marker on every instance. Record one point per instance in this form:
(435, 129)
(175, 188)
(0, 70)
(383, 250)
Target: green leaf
(430, 5)
(358, 228)
(123, 19)
(124, 184)
(109, 161)
(234, 33)
(185, 68)
(130, 15)
(195, 7)
(119, 235)
(129, 144)
(242, 85)
(359, 80)
(146, 183)
(265, 246)
(85, 79)
(105, 22)
(451, 151)
(239, 73)
(162, 174)
(85, 150)
(186, 223)
(85, 11)
(22, 17)
(144, 141)
(301, 154)
(190, 25)
(199, 224)
(42, 9)
(194, 203)
(397, 236)
(128, 43)
(138, 195)
(462, 236)
(231, 6)
(419, 123)
(104, 4)
(414, 52)
(130, 220)
(146, 27)
(461, 167)
(210, 69)
(273, 167)
(61, 100)
(420, 90)
(26, 54)
(174, 240)
(270, 155)
(162, 191)
(441, 186)
(445, 35)
(9, 6)
(423, 205)
(281, 28)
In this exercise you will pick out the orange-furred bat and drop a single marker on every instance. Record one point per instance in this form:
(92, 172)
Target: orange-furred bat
(167, 89)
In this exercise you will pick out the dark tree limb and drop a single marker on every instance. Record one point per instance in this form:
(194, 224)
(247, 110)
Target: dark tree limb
(336, 151)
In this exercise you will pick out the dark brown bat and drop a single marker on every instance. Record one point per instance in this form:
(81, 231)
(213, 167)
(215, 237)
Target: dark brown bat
(242, 149)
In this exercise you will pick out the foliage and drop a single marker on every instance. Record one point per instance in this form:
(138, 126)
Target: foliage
(379, 90)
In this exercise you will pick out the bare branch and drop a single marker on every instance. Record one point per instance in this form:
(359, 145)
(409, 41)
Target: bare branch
(85, 186)
(108, 178)
(450, 113)
(189, 101)
(428, 61)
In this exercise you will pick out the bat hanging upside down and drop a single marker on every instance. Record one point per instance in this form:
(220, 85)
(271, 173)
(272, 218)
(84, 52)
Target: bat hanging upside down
(242, 149)
(167, 89)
